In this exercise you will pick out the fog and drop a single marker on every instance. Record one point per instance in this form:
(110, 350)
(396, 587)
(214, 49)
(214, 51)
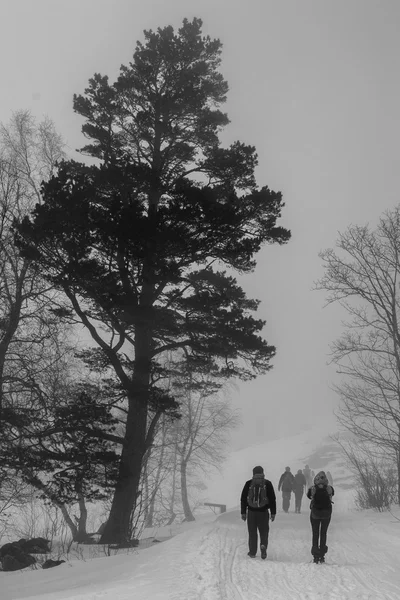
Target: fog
(313, 85)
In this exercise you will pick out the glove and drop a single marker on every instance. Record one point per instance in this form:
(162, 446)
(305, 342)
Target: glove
(272, 518)
(243, 517)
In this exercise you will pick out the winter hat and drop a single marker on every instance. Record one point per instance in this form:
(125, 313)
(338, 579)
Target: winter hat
(258, 471)
(321, 479)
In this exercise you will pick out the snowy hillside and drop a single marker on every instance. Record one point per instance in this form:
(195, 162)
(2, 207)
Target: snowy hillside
(207, 560)
(314, 447)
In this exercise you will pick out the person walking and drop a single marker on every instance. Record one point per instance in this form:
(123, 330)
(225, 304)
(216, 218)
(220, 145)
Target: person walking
(286, 482)
(320, 495)
(256, 503)
(298, 488)
(307, 475)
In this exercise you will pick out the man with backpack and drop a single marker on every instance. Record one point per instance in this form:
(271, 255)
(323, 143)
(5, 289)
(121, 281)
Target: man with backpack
(320, 495)
(286, 482)
(258, 497)
(298, 488)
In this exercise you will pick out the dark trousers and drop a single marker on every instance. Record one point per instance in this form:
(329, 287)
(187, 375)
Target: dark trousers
(298, 498)
(286, 500)
(257, 521)
(319, 531)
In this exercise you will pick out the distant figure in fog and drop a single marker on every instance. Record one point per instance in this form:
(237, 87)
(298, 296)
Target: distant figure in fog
(286, 482)
(298, 487)
(330, 478)
(308, 476)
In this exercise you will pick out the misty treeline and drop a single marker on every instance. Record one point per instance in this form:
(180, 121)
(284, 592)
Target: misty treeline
(363, 276)
(134, 250)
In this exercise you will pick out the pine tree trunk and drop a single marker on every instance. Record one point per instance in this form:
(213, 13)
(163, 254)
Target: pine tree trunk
(185, 500)
(117, 529)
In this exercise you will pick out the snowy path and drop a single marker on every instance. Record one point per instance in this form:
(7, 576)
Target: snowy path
(209, 562)
(360, 564)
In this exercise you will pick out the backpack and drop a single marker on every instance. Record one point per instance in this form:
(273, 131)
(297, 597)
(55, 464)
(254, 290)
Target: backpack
(257, 496)
(299, 482)
(288, 482)
(321, 498)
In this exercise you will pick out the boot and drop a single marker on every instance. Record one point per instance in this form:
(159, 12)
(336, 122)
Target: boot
(315, 553)
(322, 551)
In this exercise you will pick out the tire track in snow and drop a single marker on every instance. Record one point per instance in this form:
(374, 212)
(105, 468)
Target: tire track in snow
(220, 551)
(372, 569)
(207, 571)
(227, 558)
(196, 573)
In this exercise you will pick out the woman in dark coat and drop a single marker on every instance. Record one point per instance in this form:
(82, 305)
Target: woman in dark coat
(320, 495)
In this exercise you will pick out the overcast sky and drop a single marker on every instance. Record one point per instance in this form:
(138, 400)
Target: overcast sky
(314, 85)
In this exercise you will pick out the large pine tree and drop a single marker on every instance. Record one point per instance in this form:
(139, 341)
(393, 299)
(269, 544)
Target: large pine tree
(144, 243)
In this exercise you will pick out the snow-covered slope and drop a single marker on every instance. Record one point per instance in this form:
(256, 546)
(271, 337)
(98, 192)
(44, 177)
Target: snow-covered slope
(314, 446)
(207, 560)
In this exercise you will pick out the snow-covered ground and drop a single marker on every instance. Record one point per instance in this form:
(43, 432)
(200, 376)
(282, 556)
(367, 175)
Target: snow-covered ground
(207, 560)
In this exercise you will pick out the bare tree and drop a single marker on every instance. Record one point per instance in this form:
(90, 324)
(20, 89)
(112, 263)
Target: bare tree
(62, 440)
(31, 356)
(161, 484)
(156, 467)
(202, 433)
(374, 474)
(28, 154)
(31, 150)
(187, 448)
(14, 493)
(364, 279)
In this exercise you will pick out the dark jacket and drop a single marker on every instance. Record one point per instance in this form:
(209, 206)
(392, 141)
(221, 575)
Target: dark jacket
(320, 513)
(286, 482)
(299, 482)
(270, 494)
